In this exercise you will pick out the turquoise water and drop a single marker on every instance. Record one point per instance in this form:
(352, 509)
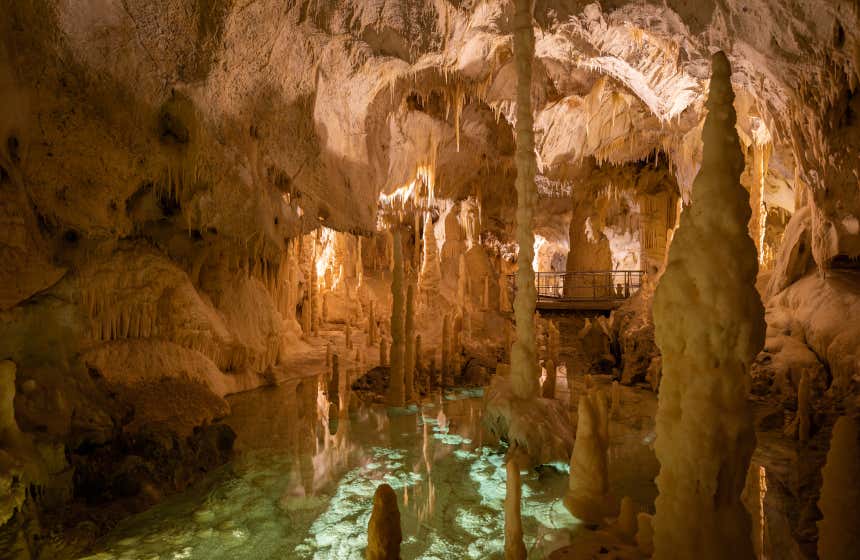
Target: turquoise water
(294, 490)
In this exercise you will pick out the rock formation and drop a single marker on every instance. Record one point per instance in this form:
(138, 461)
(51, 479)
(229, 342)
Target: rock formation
(707, 346)
(588, 497)
(383, 532)
(839, 530)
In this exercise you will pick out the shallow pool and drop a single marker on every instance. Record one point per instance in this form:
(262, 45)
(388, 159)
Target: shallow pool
(302, 487)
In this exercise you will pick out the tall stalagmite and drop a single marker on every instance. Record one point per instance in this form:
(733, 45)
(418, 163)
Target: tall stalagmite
(383, 531)
(524, 371)
(398, 328)
(709, 325)
(588, 496)
(431, 275)
(409, 357)
(839, 530)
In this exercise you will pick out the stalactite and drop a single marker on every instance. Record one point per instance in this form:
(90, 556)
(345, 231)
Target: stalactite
(485, 299)
(548, 388)
(709, 325)
(409, 358)
(524, 374)
(839, 530)
(347, 332)
(588, 496)
(395, 395)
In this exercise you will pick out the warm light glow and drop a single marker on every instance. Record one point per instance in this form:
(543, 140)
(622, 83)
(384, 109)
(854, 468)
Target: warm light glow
(325, 257)
(540, 241)
(418, 194)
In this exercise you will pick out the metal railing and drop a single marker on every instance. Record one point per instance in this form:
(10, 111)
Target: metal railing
(601, 285)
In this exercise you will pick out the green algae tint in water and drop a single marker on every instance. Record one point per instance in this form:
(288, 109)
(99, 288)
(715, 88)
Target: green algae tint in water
(294, 491)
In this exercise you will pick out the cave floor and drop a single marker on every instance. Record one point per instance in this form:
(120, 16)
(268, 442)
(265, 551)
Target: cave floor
(294, 490)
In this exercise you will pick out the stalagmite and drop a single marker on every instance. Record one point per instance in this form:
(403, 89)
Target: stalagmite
(515, 547)
(553, 342)
(462, 283)
(645, 534)
(395, 395)
(432, 374)
(371, 326)
(446, 351)
(383, 531)
(409, 357)
(839, 530)
(328, 351)
(416, 247)
(627, 524)
(548, 387)
(709, 325)
(418, 365)
(485, 299)
(588, 495)
(383, 351)
(431, 275)
(10, 434)
(803, 407)
(504, 299)
(615, 400)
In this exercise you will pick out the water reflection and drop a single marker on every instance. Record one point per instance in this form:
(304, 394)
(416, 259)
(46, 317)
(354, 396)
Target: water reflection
(309, 458)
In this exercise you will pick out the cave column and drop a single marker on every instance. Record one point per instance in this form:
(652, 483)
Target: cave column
(395, 395)
(524, 374)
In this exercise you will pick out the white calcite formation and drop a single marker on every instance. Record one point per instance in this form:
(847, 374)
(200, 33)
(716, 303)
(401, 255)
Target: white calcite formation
(709, 324)
(588, 497)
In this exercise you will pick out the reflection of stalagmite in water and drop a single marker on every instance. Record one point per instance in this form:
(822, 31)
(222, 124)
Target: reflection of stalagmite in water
(383, 532)
(306, 392)
(446, 351)
(515, 547)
